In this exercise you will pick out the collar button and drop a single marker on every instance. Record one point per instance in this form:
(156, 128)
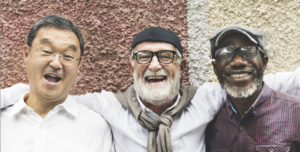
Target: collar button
(147, 110)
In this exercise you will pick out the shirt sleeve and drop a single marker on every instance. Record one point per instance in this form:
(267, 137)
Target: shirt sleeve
(102, 135)
(210, 97)
(288, 82)
(93, 101)
(11, 95)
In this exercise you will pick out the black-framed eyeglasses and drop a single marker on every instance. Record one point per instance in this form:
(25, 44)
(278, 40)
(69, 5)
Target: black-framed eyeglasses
(246, 52)
(145, 56)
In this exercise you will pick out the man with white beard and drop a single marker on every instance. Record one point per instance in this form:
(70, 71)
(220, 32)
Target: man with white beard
(254, 116)
(156, 113)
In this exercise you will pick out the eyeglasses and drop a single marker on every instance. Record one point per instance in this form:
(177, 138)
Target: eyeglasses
(145, 56)
(66, 59)
(246, 52)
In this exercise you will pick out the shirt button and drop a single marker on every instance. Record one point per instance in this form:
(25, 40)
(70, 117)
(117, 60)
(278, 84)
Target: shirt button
(147, 110)
(271, 149)
(42, 125)
(28, 109)
(241, 127)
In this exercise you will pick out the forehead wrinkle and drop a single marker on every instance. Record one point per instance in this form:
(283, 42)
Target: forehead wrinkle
(47, 41)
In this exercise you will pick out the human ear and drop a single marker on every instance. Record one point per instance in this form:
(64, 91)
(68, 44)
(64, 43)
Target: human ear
(265, 60)
(182, 65)
(130, 67)
(26, 52)
(214, 66)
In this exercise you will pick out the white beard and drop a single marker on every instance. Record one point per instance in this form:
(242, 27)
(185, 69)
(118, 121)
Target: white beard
(239, 94)
(157, 95)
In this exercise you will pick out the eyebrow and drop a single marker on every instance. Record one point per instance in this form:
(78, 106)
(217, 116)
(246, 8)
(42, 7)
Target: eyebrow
(47, 41)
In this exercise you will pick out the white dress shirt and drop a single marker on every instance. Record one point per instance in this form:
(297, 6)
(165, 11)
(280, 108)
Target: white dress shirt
(69, 127)
(187, 129)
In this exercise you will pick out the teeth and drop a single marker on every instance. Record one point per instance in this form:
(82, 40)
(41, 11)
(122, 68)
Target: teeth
(51, 75)
(155, 77)
(239, 75)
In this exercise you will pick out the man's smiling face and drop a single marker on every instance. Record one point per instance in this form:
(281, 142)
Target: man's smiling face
(51, 77)
(155, 82)
(240, 77)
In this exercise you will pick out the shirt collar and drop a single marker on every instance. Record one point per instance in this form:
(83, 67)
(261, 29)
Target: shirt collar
(263, 96)
(69, 105)
(19, 105)
(232, 107)
(144, 108)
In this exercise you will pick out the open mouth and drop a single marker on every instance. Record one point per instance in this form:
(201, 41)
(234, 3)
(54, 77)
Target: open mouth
(239, 75)
(52, 78)
(155, 79)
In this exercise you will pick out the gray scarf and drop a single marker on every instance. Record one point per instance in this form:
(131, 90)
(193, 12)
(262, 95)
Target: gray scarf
(162, 124)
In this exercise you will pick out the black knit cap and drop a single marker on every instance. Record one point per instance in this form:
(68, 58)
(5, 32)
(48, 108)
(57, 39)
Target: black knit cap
(157, 34)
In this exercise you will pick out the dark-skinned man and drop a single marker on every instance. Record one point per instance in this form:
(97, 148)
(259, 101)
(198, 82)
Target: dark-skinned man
(156, 113)
(254, 117)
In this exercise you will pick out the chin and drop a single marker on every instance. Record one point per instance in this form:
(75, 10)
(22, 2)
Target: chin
(49, 95)
(253, 87)
(157, 95)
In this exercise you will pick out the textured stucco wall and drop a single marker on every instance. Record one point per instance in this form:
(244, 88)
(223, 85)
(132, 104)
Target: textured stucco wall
(280, 19)
(108, 28)
(199, 66)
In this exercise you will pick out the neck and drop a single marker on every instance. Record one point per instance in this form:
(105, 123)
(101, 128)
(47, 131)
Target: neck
(159, 109)
(243, 104)
(41, 106)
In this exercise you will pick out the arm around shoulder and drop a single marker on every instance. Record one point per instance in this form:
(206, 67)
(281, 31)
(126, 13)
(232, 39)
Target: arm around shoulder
(11, 95)
(93, 101)
(210, 96)
(288, 82)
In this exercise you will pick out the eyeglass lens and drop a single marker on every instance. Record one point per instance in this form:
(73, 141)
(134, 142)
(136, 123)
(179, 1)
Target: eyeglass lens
(50, 56)
(246, 52)
(164, 56)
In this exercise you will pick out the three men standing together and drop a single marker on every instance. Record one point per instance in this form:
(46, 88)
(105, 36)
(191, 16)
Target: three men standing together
(156, 113)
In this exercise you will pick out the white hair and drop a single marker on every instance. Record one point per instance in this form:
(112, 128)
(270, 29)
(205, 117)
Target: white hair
(243, 94)
(157, 95)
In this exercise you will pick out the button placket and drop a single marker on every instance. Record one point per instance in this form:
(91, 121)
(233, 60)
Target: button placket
(241, 127)
(42, 125)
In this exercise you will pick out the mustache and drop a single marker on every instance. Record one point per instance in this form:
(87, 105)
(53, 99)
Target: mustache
(51, 70)
(161, 72)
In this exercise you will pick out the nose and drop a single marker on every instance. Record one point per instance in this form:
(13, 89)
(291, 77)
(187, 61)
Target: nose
(154, 64)
(55, 62)
(238, 61)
